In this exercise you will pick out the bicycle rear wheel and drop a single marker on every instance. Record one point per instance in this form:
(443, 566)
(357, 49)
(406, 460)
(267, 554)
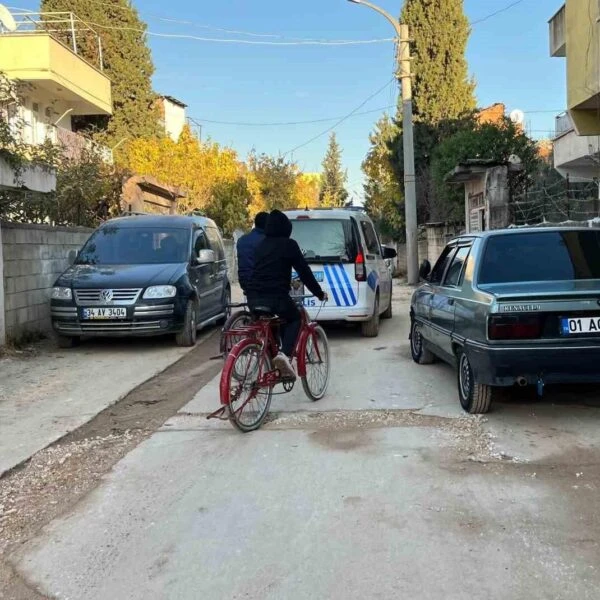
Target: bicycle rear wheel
(237, 320)
(316, 352)
(249, 392)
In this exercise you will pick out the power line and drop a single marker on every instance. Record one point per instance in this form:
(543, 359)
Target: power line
(340, 121)
(284, 123)
(491, 15)
(185, 36)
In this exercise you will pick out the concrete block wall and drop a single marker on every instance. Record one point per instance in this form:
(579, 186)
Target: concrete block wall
(32, 257)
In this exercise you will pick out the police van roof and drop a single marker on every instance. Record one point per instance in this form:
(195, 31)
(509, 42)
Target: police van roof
(326, 213)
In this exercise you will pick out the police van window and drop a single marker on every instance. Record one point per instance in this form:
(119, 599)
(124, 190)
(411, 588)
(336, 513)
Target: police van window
(455, 271)
(440, 266)
(215, 243)
(373, 246)
(200, 242)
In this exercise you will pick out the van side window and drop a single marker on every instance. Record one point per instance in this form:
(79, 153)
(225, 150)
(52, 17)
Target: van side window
(440, 266)
(373, 246)
(216, 243)
(200, 242)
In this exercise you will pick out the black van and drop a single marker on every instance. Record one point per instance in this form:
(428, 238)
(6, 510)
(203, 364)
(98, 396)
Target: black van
(142, 276)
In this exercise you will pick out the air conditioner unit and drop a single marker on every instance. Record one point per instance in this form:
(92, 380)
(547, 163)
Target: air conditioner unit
(49, 112)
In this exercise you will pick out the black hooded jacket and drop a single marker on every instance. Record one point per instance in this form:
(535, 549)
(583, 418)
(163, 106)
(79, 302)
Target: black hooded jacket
(275, 258)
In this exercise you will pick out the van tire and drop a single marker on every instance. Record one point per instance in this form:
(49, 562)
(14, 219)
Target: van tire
(188, 335)
(388, 314)
(370, 328)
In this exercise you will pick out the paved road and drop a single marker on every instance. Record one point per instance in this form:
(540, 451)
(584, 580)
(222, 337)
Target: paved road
(382, 490)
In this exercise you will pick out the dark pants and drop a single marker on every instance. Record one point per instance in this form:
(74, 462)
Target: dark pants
(284, 307)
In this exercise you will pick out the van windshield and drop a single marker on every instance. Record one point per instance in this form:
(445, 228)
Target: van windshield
(112, 245)
(325, 239)
(541, 256)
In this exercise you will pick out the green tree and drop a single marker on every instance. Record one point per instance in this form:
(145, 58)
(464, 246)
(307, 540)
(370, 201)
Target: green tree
(442, 87)
(275, 180)
(127, 62)
(383, 192)
(486, 141)
(228, 206)
(333, 191)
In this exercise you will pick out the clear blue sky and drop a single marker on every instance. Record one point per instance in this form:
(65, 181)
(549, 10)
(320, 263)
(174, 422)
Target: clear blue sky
(508, 55)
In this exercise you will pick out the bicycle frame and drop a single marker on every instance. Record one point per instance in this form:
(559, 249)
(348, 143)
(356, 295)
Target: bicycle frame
(262, 332)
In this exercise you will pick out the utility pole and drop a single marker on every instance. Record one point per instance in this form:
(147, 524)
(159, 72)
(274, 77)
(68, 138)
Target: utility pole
(410, 192)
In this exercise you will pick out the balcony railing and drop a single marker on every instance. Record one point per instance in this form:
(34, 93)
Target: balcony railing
(74, 145)
(562, 124)
(65, 27)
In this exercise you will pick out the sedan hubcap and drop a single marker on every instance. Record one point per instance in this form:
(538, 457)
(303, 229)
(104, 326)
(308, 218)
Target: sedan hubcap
(465, 377)
(416, 340)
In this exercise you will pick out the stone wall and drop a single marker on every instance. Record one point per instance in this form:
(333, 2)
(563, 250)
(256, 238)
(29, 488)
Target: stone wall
(31, 258)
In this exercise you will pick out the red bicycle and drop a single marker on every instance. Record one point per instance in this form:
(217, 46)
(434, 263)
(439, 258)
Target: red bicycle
(248, 377)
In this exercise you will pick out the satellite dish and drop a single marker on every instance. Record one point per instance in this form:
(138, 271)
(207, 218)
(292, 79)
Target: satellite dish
(517, 116)
(7, 21)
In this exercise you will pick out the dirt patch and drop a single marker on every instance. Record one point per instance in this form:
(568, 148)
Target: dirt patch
(57, 478)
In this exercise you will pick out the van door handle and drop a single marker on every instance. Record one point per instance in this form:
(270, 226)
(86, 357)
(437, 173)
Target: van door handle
(450, 301)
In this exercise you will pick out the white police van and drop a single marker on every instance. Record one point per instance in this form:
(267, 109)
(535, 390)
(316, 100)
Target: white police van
(349, 262)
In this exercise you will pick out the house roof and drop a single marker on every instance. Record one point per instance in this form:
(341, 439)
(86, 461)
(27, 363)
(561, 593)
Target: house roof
(173, 100)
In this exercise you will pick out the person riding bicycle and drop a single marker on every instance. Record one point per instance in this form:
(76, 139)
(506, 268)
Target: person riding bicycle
(246, 249)
(269, 287)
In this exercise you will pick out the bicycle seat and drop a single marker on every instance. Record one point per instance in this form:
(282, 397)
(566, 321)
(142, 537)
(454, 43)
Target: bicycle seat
(265, 312)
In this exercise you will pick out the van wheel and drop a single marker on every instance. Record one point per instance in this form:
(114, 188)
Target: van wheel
(475, 398)
(388, 311)
(187, 337)
(419, 353)
(370, 328)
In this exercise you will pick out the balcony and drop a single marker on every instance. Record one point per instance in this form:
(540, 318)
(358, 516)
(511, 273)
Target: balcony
(38, 55)
(575, 156)
(558, 33)
(74, 145)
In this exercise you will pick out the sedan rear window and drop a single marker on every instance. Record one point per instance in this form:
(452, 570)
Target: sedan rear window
(541, 256)
(321, 239)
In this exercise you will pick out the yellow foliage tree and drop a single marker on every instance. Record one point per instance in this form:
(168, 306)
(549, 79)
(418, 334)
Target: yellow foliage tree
(195, 166)
(308, 187)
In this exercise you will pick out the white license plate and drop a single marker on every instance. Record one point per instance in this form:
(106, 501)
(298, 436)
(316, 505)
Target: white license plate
(575, 326)
(104, 313)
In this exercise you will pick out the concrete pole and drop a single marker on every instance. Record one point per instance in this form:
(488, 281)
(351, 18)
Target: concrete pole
(410, 193)
(2, 304)
(410, 186)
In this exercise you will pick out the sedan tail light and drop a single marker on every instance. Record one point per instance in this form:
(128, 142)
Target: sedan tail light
(514, 327)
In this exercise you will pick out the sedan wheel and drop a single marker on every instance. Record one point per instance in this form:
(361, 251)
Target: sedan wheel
(419, 353)
(475, 398)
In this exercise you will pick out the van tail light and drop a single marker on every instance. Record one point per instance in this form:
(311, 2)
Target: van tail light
(360, 271)
(514, 327)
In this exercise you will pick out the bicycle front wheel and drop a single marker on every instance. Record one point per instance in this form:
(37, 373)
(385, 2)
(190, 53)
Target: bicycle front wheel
(237, 320)
(316, 352)
(248, 388)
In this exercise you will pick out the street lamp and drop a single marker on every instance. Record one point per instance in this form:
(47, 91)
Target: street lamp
(410, 194)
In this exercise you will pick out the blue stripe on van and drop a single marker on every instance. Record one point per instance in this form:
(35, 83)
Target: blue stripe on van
(348, 285)
(336, 275)
(331, 286)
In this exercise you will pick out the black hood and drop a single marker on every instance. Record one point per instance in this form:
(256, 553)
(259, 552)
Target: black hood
(120, 276)
(278, 225)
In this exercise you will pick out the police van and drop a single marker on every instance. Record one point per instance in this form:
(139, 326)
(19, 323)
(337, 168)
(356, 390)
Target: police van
(349, 262)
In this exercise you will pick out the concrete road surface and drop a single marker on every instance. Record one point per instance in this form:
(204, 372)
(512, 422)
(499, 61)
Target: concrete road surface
(384, 489)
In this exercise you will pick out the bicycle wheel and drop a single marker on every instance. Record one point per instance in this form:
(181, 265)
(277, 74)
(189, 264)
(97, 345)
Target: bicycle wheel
(237, 320)
(249, 395)
(316, 354)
